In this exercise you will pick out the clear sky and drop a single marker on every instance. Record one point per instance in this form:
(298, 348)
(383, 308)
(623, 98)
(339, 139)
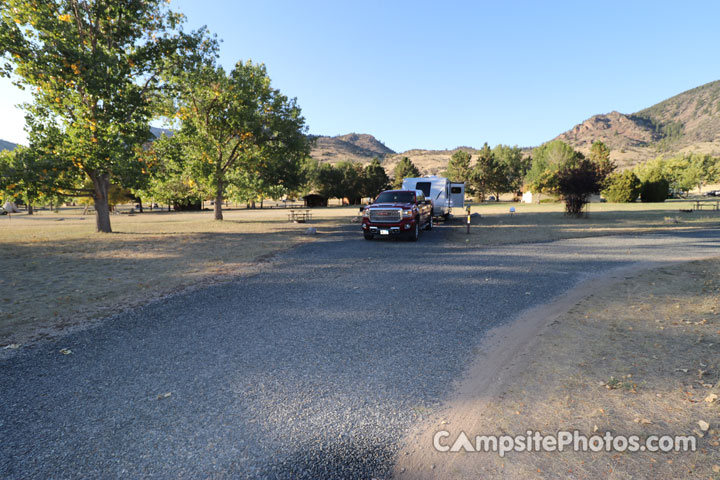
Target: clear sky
(437, 75)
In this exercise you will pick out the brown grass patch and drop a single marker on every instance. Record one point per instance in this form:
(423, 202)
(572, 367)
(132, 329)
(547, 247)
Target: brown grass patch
(60, 273)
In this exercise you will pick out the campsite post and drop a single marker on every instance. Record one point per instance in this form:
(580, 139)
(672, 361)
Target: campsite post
(468, 219)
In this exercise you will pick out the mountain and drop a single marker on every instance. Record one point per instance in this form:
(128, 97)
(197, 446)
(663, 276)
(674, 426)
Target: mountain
(157, 132)
(352, 147)
(688, 122)
(5, 145)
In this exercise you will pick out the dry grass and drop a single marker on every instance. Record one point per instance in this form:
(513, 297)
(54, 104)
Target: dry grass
(547, 222)
(59, 272)
(638, 358)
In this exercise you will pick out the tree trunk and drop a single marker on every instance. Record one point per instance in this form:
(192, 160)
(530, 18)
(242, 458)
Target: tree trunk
(261, 202)
(140, 207)
(252, 204)
(30, 208)
(219, 200)
(101, 182)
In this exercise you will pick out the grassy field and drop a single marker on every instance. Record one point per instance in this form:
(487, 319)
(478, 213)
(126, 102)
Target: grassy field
(637, 358)
(59, 272)
(547, 221)
(62, 273)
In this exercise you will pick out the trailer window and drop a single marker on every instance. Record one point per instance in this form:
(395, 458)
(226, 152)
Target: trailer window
(424, 186)
(455, 190)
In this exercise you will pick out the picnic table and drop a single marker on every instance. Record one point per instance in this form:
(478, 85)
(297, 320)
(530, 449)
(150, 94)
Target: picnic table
(714, 204)
(299, 216)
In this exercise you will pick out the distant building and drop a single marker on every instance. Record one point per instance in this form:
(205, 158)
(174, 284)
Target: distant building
(315, 200)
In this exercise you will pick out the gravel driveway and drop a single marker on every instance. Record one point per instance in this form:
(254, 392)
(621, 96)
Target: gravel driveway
(313, 369)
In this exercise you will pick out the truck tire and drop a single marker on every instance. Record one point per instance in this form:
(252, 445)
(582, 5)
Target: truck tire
(429, 224)
(368, 236)
(415, 233)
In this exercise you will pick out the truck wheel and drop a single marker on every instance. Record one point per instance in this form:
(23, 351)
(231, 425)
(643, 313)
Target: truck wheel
(429, 224)
(415, 231)
(368, 236)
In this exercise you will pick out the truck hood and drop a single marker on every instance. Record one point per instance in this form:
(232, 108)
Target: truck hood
(406, 206)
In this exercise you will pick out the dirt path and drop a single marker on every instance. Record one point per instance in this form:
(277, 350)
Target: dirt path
(507, 354)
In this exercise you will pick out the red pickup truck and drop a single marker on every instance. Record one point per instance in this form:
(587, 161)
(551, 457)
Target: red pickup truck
(396, 212)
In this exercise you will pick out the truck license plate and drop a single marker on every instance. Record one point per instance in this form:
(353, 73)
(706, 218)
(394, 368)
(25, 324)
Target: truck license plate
(384, 232)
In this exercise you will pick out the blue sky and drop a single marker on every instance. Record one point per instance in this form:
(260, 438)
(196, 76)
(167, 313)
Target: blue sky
(437, 75)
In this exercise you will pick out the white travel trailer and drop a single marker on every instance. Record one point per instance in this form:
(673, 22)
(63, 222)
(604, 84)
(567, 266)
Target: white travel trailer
(443, 193)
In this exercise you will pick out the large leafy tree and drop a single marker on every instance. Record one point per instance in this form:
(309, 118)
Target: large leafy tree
(25, 172)
(514, 165)
(404, 169)
(237, 128)
(547, 160)
(93, 67)
(622, 187)
(374, 179)
(351, 181)
(600, 156)
(330, 181)
(488, 175)
(172, 180)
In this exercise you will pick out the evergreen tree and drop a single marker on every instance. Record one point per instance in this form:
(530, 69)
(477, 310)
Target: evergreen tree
(404, 169)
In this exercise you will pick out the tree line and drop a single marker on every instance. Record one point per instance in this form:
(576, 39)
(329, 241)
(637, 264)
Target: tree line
(100, 71)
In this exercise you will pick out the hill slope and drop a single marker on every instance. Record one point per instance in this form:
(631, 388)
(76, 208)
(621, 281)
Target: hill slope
(5, 145)
(352, 147)
(688, 122)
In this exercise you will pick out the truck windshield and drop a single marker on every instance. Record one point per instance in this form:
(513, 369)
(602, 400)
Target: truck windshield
(395, 197)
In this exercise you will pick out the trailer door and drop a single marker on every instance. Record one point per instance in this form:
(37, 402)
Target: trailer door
(457, 195)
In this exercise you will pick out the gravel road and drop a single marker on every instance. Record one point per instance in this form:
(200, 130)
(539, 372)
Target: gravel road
(313, 369)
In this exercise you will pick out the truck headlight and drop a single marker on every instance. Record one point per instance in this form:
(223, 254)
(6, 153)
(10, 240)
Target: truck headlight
(366, 213)
(407, 213)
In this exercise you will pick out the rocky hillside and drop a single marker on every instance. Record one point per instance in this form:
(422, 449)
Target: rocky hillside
(352, 147)
(688, 122)
(430, 162)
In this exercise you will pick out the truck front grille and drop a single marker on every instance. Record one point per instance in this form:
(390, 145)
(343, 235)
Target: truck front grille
(385, 216)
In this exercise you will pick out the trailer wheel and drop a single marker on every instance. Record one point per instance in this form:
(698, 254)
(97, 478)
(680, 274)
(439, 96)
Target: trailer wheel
(429, 224)
(446, 216)
(368, 236)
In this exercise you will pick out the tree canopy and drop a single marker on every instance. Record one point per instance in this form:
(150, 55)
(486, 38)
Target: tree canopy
(404, 169)
(93, 69)
(459, 169)
(238, 130)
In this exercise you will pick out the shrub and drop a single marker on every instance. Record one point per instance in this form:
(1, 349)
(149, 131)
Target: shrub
(622, 187)
(655, 190)
(577, 180)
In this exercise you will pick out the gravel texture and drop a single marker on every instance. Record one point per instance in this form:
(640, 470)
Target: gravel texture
(313, 369)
